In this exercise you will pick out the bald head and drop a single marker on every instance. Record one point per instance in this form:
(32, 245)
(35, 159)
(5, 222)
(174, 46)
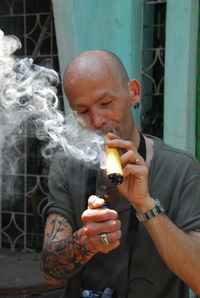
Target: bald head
(99, 91)
(94, 64)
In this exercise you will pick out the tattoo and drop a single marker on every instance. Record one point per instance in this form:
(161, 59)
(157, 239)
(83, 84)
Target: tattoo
(58, 224)
(62, 258)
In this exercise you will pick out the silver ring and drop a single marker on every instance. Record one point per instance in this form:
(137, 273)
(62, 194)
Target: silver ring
(104, 239)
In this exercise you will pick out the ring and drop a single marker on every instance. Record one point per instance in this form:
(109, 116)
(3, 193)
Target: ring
(137, 158)
(104, 239)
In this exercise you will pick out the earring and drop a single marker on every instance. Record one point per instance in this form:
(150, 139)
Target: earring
(136, 105)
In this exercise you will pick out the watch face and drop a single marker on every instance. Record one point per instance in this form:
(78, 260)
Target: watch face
(157, 202)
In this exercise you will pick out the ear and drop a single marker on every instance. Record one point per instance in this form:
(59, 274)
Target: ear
(135, 91)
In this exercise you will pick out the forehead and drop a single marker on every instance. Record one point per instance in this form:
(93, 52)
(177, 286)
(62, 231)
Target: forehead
(86, 78)
(93, 92)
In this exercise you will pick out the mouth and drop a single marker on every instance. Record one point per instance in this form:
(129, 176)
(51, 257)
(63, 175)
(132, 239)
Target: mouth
(108, 128)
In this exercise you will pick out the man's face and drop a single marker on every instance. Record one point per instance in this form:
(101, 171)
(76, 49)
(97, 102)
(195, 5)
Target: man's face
(102, 102)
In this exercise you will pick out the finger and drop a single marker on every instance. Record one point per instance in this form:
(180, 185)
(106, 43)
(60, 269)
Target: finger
(101, 246)
(112, 136)
(99, 215)
(106, 249)
(131, 157)
(95, 202)
(109, 238)
(119, 143)
(137, 171)
(114, 236)
(93, 228)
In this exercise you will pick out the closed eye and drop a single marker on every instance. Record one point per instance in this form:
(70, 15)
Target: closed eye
(81, 112)
(106, 102)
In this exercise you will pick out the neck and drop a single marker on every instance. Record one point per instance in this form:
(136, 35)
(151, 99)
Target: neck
(135, 138)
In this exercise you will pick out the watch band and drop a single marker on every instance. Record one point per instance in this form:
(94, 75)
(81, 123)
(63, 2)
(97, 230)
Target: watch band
(158, 209)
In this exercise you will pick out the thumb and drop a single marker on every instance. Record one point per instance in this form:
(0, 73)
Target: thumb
(95, 202)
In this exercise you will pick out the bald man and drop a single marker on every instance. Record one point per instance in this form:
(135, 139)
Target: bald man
(147, 244)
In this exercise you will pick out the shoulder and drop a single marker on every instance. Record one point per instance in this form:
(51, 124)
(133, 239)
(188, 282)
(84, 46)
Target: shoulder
(65, 168)
(163, 149)
(61, 161)
(175, 158)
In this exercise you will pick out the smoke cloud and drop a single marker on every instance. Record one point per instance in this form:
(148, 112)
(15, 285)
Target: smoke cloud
(28, 92)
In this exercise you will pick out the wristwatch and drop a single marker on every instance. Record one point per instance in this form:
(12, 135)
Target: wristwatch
(158, 209)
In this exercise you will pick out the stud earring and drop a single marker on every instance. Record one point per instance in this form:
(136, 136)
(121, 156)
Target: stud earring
(136, 105)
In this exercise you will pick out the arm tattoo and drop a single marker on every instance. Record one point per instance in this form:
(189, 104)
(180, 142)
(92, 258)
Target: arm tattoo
(58, 224)
(62, 258)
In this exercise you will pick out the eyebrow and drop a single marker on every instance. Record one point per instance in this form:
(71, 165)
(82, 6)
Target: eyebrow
(96, 100)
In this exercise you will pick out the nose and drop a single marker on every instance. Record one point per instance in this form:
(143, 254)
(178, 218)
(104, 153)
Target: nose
(98, 119)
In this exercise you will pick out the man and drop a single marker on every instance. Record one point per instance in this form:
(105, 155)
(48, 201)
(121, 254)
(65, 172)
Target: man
(157, 255)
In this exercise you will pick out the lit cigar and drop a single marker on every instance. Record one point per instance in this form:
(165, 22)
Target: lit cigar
(112, 165)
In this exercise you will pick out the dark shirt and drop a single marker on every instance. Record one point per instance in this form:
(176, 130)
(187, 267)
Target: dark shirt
(174, 178)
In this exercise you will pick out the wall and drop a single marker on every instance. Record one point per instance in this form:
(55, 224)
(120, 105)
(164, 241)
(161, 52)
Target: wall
(180, 74)
(113, 25)
(116, 25)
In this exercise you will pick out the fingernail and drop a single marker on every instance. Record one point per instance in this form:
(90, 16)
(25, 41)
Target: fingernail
(98, 202)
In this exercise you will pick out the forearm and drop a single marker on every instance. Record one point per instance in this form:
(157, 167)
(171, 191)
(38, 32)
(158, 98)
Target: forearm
(63, 258)
(180, 251)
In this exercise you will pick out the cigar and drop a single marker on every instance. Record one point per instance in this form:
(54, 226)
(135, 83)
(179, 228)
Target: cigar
(112, 165)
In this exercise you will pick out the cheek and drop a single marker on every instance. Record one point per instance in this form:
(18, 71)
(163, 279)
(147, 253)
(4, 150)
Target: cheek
(126, 121)
(84, 121)
(87, 123)
(120, 114)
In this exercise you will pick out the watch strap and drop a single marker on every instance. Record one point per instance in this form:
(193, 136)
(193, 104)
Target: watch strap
(158, 209)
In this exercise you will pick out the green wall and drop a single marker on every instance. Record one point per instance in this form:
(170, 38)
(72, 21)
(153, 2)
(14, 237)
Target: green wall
(116, 25)
(113, 25)
(180, 74)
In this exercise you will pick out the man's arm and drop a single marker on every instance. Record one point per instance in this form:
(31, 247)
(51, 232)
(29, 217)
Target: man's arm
(179, 250)
(65, 253)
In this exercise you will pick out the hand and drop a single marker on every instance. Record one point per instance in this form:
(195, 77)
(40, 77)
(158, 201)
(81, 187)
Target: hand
(135, 184)
(98, 221)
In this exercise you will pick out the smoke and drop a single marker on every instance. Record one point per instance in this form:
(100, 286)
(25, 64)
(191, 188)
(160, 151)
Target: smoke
(28, 93)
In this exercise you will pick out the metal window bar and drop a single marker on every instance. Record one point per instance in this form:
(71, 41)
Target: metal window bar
(152, 66)
(20, 223)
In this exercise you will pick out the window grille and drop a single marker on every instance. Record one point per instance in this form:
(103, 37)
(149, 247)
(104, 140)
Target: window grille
(153, 59)
(23, 183)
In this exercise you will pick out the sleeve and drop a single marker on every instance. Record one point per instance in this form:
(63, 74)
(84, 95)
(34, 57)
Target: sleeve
(188, 202)
(188, 214)
(59, 199)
